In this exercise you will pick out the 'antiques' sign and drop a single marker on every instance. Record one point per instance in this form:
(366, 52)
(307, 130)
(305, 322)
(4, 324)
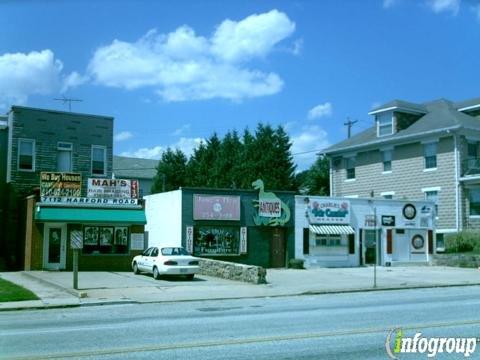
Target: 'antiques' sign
(112, 188)
(322, 211)
(269, 208)
(216, 207)
(60, 184)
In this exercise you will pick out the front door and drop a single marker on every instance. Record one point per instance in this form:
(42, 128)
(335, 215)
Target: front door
(277, 248)
(54, 246)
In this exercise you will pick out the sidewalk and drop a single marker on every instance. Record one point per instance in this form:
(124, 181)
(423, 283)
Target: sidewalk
(55, 289)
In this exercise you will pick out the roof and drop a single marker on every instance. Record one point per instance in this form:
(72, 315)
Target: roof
(400, 104)
(440, 115)
(468, 104)
(16, 107)
(134, 168)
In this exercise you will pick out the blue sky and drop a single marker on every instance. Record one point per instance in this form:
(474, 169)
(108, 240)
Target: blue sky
(173, 72)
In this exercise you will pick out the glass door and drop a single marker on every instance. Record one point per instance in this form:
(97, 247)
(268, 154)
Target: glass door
(54, 246)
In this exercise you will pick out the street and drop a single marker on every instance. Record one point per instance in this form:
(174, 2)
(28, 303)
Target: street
(343, 326)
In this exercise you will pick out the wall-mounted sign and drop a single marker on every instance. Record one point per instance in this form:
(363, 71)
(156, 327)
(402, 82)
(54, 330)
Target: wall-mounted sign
(243, 240)
(189, 239)
(79, 201)
(322, 211)
(270, 209)
(388, 220)
(137, 241)
(216, 207)
(216, 240)
(112, 188)
(409, 211)
(60, 184)
(370, 221)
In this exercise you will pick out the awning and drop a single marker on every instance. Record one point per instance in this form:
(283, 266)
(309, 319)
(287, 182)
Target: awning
(332, 229)
(81, 215)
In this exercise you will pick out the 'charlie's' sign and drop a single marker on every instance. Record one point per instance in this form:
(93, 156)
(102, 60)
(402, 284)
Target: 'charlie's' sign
(329, 212)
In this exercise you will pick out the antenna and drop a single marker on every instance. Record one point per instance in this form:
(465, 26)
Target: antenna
(67, 100)
(350, 123)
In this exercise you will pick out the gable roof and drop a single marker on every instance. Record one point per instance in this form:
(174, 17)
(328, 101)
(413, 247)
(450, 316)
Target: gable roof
(134, 168)
(440, 115)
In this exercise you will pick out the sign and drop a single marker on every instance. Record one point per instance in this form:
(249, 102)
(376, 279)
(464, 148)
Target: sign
(60, 184)
(370, 221)
(328, 211)
(243, 240)
(137, 241)
(409, 211)
(87, 201)
(216, 207)
(76, 239)
(388, 220)
(269, 208)
(216, 240)
(189, 239)
(112, 188)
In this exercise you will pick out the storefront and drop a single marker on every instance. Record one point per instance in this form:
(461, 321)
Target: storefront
(245, 226)
(107, 226)
(345, 232)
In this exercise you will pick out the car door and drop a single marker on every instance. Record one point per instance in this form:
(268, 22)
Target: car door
(143, 260)
(150, 259)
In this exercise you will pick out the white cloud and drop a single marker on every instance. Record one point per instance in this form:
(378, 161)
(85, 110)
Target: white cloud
(439, 6)
(182, 66)
(73, 80)
(22, 75)
(319, 111)
(389, 3)
(181, 130)
(476, 11)
(186, 145)
(122, 136)
(297, 47)
(254, 36)
(306, 145)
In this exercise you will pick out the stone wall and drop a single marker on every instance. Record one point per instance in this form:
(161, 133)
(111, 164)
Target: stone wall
(233, 271)
(457, 260)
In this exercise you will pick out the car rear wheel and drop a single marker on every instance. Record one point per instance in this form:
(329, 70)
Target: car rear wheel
(156, 274)
(190, 276)
(135, 268)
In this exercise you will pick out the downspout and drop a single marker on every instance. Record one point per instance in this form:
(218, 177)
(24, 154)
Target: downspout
(457, 184)
(331, 175)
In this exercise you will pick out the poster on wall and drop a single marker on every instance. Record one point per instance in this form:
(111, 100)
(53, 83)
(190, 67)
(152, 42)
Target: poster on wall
(106, 236)
(121, 235)
(90, 236)
(60, 184)
(216, 240)
(216, 207)
(323, 211)
(137, 241)
(112, 188)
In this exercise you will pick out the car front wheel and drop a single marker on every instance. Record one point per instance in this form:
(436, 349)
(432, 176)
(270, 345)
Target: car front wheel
(135, 268)
(156, 274)
(190, 276)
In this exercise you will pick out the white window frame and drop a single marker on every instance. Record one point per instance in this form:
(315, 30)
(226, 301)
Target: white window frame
(381, 124)
(470, 206)
(436, 189)
(425, 168)
(387, 193)
(347, 160)
(32, 141)
(385, 161)
(104, 148)
(66, 147)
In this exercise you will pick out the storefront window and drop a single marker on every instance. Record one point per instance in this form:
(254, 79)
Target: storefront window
(329, 245)
(474, 197)
(216, 240)
(105, 240)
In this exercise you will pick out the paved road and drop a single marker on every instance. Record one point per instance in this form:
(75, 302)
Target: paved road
(341, 326)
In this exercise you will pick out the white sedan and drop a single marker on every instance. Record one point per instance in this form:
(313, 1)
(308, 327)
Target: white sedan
(166, 261)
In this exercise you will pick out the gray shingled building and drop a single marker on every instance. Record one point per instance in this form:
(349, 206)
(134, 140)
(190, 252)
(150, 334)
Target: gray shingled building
(144, 170)
(416, 151)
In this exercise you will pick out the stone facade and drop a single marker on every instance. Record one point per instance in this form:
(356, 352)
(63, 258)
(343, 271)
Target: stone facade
(232, 271)
(457, 260)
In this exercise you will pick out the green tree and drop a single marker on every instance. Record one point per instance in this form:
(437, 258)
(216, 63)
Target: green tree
(171, 171)
(228, 161)
(317, 179)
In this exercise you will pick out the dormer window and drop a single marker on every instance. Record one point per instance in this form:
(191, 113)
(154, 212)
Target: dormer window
(384, 123)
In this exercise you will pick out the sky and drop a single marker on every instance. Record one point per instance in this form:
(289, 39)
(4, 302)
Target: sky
(172, 73)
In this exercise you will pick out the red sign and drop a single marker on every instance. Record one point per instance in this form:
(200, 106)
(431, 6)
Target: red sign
(216, 207)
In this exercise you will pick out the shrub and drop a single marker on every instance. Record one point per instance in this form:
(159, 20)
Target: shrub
(464, 241)
(296, 263)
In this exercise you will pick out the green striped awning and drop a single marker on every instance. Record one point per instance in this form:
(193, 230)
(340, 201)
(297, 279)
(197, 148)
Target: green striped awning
(87, 215)
(332, 229)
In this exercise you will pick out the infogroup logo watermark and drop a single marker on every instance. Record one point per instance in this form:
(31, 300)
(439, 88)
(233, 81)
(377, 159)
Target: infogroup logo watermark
(397, 343)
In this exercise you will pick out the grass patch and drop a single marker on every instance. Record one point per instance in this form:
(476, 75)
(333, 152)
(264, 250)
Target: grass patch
(12, 292)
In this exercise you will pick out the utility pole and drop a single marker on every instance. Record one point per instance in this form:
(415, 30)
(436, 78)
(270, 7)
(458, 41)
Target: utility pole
(350, 123)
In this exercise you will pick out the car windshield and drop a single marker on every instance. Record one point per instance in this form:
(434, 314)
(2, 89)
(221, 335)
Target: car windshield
(174, 251)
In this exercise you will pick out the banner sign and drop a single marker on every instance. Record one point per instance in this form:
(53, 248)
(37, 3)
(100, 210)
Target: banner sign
(243, 240)
(87, 201)
(329, 211)
(216, 240)
(271, 208)
(189, 239)
(216, 207)
(60, 184)
(112, 188)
